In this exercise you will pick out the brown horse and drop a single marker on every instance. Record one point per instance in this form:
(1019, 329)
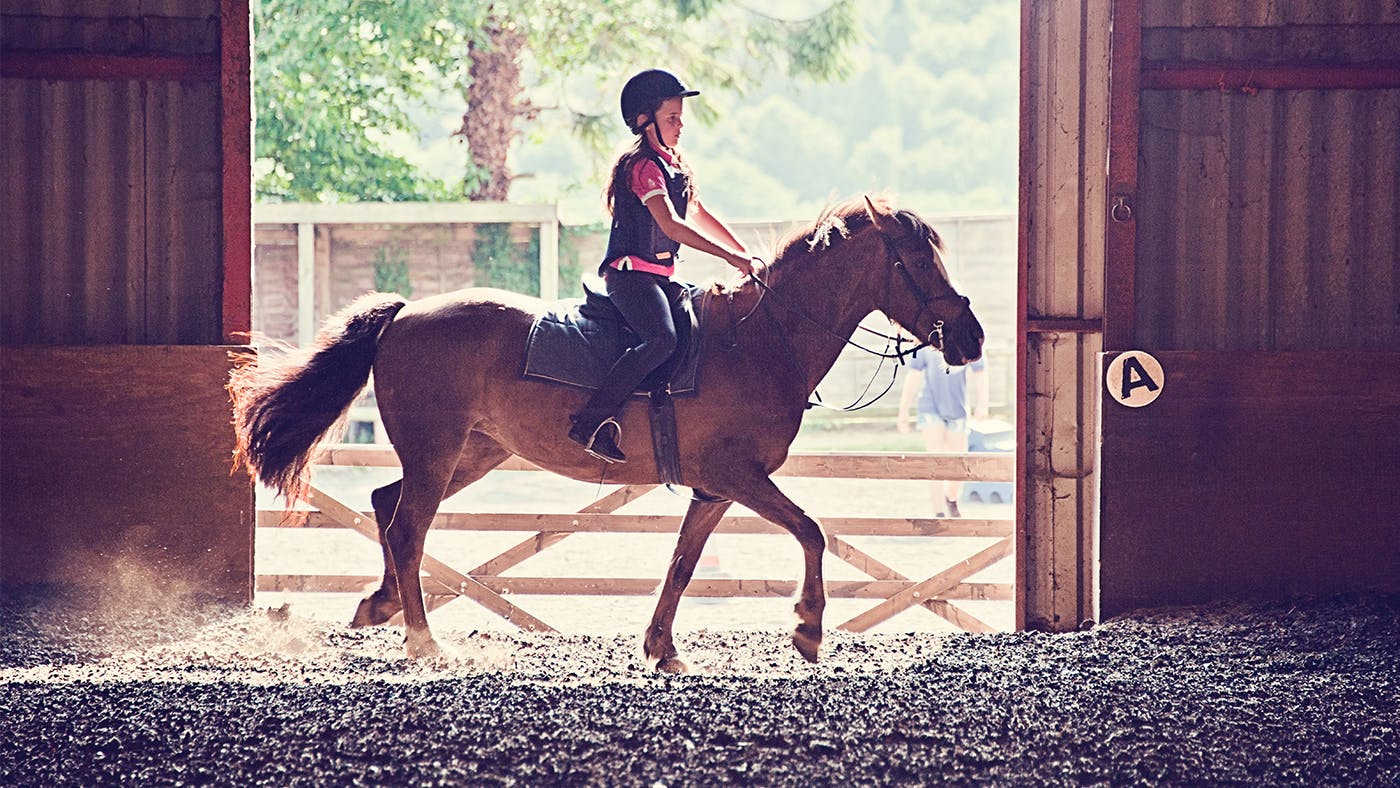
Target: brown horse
(447, 378)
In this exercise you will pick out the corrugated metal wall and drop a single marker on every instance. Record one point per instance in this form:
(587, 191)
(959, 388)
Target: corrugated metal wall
(1267, 219)
(110, 188)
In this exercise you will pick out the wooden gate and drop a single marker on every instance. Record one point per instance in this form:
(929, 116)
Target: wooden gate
(890, 591)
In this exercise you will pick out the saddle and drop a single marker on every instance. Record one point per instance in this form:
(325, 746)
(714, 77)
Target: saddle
(577, 343)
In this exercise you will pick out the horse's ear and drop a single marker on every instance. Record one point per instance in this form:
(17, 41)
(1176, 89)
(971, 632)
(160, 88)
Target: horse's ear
(884, 222)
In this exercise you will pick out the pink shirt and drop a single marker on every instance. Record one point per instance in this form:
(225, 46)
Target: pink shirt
(646, 181)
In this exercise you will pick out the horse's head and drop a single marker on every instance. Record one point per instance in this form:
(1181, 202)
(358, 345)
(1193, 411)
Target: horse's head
(919, 296)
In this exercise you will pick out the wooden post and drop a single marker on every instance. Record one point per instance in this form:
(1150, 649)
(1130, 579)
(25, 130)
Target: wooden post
(549, 257)
(306, 283)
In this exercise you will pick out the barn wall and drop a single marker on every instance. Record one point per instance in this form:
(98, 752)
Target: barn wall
(124, 184)
(1247, 479)
(117, 473)
(111, 187)
(1264, 280)
(1267, 219)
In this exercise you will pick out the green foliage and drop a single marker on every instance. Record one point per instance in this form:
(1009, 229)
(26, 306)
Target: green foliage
(500, 263)
(925, 106)
(337, 82)
(928, 112)
(333, 82)
(391, 271)
(817, 47)
(572, 263)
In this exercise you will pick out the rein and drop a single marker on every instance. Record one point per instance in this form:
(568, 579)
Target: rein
(935, 338)
(899, 353)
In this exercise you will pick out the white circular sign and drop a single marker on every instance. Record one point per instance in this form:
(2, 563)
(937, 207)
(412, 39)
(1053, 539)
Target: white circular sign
(1134, 378)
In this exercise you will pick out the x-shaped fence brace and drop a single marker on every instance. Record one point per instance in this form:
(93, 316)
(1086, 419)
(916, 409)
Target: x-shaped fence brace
(485, 585)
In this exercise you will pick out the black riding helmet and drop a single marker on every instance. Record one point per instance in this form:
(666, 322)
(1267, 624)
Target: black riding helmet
(644, 92)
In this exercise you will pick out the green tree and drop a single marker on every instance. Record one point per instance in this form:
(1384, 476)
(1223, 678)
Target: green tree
(335, 78)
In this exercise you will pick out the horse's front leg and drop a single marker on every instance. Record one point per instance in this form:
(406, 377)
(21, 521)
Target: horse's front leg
(700, 521)
(768, 502)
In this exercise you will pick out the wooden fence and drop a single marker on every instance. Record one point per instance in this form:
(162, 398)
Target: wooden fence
(890, 591)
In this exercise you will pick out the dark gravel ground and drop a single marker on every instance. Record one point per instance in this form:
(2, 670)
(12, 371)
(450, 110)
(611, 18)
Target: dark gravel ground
(1299, 693)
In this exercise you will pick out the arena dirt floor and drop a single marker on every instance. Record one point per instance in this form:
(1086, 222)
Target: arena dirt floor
(1298, 693)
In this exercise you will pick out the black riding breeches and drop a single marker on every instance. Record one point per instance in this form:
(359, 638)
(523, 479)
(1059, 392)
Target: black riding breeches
(649, 303)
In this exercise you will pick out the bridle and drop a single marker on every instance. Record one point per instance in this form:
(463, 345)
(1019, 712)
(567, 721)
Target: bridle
(935, 338)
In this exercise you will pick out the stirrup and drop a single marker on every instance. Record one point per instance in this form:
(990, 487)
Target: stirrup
(593, 447)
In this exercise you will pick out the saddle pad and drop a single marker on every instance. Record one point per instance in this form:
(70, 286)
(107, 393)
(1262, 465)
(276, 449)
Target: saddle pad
(577, 342)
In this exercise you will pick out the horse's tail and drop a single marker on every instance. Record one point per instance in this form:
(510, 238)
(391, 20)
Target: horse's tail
(283, 408)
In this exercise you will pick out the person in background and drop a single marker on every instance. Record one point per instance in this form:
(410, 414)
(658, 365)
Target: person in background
(655, 210)
(941, 394)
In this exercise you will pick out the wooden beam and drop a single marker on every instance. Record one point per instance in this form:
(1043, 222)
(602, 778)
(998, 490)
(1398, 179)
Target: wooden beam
(580, 522)
(1247, 77)
(1063, 325)
(517, 554)
(958, 617)
(921, 466)
(72, 66)
(543, 541)
(709, 588)
(880, 571)
(306, 284)
(235, 72)
(861, 560)
(549, 259)
(406, 213)
(1120, 258)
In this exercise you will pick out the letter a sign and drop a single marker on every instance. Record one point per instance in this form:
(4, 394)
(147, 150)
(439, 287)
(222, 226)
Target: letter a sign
(1134, 378)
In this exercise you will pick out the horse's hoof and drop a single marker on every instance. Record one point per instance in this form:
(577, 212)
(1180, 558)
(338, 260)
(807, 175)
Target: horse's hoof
(672, 665)
(421, 646)
(808, 639)
(373, 612)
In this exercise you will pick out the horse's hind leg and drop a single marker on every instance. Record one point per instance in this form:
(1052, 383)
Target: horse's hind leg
(478, 457)
(768, 502)
(700, 521)
(381, 606)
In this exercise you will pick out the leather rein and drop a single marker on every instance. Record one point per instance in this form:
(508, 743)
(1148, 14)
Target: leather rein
(935, 338)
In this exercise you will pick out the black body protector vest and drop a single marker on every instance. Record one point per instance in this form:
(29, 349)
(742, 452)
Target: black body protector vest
(634, 231)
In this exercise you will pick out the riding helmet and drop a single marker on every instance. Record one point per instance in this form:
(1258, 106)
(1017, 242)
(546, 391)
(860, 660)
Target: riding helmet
(644, 92)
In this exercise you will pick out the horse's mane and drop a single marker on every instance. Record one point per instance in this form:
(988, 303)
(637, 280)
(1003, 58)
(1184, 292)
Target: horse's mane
(838, 222)
(843, 220)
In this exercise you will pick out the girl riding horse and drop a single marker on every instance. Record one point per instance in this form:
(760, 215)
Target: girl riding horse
(655, 210)
(448, 384)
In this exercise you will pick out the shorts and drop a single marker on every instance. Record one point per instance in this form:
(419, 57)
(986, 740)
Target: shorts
(926, 420)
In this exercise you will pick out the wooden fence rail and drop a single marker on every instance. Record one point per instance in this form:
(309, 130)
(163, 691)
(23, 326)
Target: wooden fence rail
(486, 585)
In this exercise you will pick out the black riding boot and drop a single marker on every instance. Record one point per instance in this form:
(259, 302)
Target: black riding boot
(600, 440)
(596, 427)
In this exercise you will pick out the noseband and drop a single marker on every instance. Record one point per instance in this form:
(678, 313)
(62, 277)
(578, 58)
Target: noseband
(935, 337)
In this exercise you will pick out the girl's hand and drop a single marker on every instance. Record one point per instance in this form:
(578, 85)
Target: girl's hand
(747, 264)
